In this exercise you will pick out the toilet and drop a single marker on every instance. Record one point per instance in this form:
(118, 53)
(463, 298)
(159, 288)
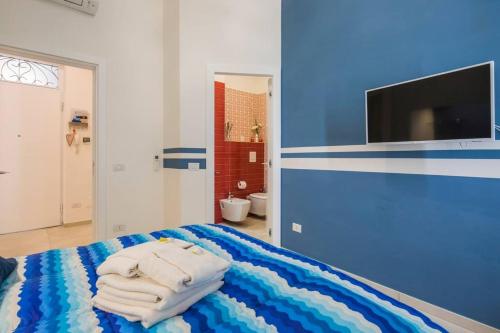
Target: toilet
(234, 209)
(258, 206)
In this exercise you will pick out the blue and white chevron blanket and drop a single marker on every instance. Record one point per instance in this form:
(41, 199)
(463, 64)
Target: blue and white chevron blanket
(267, 289)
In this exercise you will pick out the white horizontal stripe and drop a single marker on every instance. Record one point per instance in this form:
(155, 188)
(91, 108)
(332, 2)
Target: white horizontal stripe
(442, 167)
(185, 155)
(397, 147)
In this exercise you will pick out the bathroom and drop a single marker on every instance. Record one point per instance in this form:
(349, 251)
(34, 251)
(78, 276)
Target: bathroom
(241, 132)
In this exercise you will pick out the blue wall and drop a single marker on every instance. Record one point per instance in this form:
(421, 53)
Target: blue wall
(434, 237)
(403, 231)
(334, 50)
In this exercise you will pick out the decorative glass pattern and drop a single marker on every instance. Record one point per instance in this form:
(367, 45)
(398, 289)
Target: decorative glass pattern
(28, 72)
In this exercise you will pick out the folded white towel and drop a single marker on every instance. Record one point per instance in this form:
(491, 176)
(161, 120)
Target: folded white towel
(131, 295)
(180, 269)
(126, 301)
(150, 317)
(143, 291)
(119, 265)
(125, 262)
(131, 287)
(164, 273)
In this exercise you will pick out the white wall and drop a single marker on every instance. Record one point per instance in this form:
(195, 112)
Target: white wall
(221, 32)
(77, 158)
(172, 72)
(215, 32)
(127, 35)
(131, 37)
(171, 100)
(251, 84)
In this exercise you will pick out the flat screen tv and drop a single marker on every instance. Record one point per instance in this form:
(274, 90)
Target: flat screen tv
(455, 105)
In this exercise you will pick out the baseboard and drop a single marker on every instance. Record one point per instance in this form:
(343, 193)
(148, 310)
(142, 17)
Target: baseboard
(73, 224)
(452, 321)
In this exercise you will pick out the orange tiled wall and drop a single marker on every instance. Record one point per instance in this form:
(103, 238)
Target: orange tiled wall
(232, 159)
(242, 109)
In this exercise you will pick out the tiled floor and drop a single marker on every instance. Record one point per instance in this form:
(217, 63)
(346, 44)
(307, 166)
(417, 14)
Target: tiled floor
(253, 226)
(34, 241)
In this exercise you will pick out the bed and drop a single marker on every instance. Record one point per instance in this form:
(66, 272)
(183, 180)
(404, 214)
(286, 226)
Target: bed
(267, 289)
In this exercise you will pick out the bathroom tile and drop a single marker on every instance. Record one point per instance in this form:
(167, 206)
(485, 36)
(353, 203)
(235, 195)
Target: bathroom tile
(242, 109)
(252, 226)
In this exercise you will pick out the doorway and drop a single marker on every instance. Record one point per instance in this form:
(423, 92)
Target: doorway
(46, 154)
(241, 161)
(243, 154)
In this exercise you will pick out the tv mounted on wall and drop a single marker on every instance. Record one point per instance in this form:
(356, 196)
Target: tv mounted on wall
(454, 105)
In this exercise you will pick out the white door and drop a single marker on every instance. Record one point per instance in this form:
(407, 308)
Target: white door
(30, 157)
(268, 171)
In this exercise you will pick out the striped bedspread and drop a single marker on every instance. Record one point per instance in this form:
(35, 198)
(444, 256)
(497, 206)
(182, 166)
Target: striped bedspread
(267, 289)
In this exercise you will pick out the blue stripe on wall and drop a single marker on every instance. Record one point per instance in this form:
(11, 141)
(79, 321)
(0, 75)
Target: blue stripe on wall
(183, 163)
(185, 150)
(434, 154)
(433, 237)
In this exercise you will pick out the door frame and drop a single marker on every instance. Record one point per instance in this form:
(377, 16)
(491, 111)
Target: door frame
(99, 128)
(274, 140)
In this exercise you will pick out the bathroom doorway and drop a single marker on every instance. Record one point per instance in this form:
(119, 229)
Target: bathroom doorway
(46, 149)
(241, 106)
(241, 176)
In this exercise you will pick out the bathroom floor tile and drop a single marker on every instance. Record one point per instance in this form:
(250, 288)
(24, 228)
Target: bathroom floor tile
(252, 226)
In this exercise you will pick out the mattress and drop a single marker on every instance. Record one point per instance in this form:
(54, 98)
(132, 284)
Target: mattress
(267, 289)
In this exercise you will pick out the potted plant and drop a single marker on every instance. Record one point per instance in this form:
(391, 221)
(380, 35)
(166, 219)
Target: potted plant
(256, 130)
(228, 127)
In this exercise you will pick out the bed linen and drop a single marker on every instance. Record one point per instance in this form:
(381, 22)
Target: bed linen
(267, 289)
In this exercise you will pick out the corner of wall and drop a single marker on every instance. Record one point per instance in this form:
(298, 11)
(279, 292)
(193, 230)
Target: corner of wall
(171, 122)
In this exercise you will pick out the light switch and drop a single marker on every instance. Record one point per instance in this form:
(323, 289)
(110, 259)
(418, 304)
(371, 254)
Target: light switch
(118, 167)
(253, 157)
(194, 166)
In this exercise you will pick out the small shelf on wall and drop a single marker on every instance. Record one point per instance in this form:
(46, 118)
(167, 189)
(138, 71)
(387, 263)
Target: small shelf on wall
(74, 123)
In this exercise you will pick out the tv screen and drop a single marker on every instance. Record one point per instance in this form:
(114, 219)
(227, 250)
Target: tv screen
(455, 105)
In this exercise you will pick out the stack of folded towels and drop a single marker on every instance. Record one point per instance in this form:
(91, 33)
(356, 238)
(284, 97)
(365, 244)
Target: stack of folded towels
(157, 280)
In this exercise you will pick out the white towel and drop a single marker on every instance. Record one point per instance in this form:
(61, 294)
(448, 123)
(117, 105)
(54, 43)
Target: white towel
(125, 262)
(126, 301)
(131, 295)
(143, 291)
(119, 265)
(129, 287)
(164, 273)
(150, 317)
(180, 269)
